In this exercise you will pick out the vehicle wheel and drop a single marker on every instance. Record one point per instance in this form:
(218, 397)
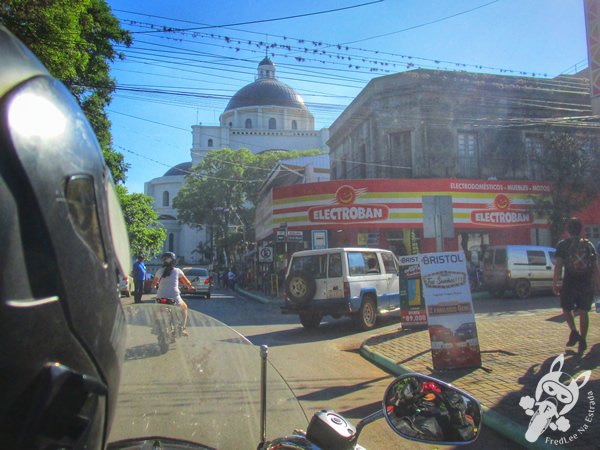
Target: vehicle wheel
(127, 294)
(522, 288)
(300, 287)
(497, 293)
(367, 314)
(310, 321)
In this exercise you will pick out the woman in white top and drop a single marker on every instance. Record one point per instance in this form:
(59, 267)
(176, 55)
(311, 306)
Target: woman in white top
(167, 280)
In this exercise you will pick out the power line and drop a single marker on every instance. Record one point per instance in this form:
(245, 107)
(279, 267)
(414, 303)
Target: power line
(296, 16)
(344, 46)
(422, 24)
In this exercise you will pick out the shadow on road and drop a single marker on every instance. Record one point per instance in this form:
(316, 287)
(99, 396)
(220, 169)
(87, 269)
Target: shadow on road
(327, 331)
(339, 391)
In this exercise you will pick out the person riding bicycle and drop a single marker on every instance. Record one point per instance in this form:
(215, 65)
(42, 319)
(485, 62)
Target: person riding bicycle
(64, 244)
(167, 281)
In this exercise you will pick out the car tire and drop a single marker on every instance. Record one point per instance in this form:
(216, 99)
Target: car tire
(300, 287)
(310, 320)
(366, 317)
(522, 289)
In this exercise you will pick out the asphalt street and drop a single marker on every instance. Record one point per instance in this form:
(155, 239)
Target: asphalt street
(324, 367)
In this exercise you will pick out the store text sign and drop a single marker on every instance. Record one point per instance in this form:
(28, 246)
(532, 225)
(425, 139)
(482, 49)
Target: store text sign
(501, 213)
(341, 214)
(346, 211)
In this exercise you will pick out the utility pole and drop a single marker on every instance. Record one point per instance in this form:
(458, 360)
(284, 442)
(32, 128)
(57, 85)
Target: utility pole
(592, 25)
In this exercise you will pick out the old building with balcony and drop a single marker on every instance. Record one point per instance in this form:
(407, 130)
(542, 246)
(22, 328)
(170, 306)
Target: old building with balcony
(437, 124)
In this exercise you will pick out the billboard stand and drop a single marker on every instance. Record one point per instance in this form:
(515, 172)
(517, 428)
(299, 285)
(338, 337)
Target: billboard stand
(450, 314)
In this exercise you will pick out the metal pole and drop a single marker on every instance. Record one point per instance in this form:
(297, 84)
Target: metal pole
(439, 240)
(264, 350)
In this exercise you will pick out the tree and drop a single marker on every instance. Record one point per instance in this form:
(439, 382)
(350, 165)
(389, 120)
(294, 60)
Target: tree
(146, 234)
(571, 164)
(75, 40)
(221, 193)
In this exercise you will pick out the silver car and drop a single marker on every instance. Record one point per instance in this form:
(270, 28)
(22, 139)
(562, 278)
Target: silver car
(200, 279)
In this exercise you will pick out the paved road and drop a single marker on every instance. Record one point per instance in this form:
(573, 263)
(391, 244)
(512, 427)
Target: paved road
(324, 368)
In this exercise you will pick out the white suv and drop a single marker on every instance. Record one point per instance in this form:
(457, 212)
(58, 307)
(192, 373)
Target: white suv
(356, 282)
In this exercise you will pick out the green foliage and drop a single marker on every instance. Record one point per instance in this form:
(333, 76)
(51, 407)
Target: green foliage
(221, 193)
(572, 165)
(74, 39)
(146, 234)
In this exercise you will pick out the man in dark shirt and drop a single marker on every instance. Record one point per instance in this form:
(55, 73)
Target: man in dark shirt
(139, 278)
(577, 290)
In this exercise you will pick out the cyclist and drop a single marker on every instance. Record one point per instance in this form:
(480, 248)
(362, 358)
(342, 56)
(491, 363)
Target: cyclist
(62, 233)
(167, 281)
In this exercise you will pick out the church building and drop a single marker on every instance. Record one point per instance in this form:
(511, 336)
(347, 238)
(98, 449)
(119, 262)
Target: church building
(264, 115)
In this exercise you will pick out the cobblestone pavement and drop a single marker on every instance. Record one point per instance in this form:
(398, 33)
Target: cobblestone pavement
(516, 350)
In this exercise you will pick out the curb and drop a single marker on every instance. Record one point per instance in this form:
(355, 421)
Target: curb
(252, 296)
(496, 421)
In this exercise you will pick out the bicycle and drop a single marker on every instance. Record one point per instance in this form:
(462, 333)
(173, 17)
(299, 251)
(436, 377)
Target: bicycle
(166, 327)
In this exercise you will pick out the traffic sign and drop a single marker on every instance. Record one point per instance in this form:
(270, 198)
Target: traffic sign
(265, 254)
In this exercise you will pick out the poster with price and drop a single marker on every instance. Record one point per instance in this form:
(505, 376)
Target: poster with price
(452, 329)
(412, 304)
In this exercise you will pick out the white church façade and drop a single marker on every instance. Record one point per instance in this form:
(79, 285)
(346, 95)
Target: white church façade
(264, 115)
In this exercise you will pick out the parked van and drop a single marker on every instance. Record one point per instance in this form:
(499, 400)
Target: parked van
(356, 282)
(518, 268)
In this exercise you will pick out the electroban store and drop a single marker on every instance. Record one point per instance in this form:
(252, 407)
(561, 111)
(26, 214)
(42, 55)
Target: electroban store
(391, 213)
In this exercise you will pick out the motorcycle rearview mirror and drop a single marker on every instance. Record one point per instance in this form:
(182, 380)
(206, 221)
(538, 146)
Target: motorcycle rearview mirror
(425, 409)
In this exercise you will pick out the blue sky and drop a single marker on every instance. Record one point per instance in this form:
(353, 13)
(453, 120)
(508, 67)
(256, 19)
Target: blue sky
(172, 80)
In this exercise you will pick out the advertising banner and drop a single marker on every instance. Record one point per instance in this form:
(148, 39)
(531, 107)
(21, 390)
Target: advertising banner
(452, 330)
(412, 303)
(401, 203)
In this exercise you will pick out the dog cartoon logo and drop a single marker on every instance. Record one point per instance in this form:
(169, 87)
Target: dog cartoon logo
(555, 395)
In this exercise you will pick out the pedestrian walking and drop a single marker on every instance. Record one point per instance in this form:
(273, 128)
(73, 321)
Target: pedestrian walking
(139, 278)
(579, 259)
(231, 278)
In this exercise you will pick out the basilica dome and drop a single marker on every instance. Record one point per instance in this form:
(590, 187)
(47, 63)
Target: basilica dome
(267, 90)
(179, 169)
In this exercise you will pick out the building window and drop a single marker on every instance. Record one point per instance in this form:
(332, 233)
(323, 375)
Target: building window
(592, 232)
(468, 158)
(533, 151)
(210, 142)
(248, 123)
(272, 124)
(294, 125)
(166, 198)
(400, 158)
(171, 242)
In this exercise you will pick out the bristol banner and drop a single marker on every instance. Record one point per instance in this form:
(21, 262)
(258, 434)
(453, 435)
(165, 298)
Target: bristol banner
(452, 329)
